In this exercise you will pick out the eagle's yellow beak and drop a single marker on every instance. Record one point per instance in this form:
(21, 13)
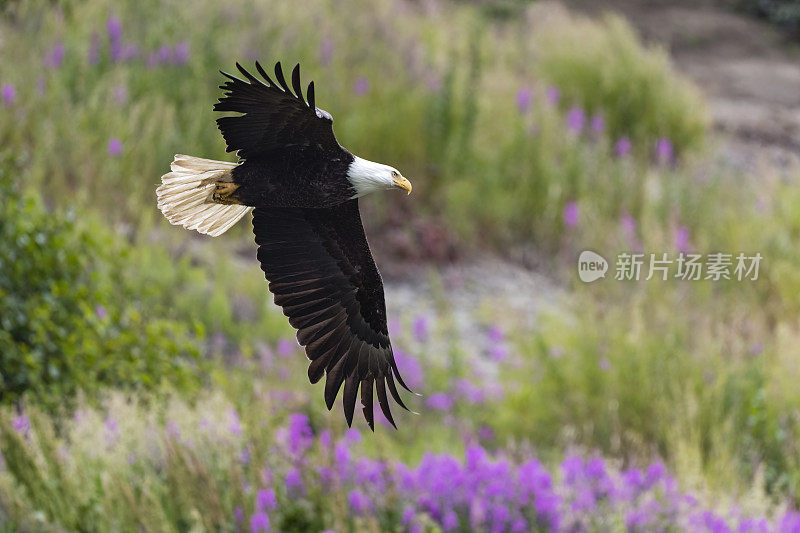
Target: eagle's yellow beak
(402, 183)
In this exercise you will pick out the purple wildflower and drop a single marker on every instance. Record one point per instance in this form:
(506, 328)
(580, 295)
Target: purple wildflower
(266, 500)
(359, 502)
(440, 401)
(238, 514)
(300, 435)
(682, 239)
(598, 123)
(623, 146)
(234, 425)
(181, 54)
(294, 483)
(286, 347)
(326, 52)
(55, 57)
(9, 94)
(571, 214)
(664, 151)
(112, 430)
(495, 334)
(114, 147)
(553, 95)
(114, 30)
(576, 118)
(409, 368)
(101, 312)
(498, 353)
(259, 522)
(420, 329)
(361, 86)
(524, 97)
(21, 424)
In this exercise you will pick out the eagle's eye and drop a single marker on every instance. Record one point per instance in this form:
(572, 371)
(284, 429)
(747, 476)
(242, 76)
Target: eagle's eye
(394, 174)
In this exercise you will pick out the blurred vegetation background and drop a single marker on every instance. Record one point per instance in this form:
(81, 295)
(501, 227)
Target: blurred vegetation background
(521, 126)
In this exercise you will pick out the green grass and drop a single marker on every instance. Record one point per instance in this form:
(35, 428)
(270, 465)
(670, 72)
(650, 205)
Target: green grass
(700, 374)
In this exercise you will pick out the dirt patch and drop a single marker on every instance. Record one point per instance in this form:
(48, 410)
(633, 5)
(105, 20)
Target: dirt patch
(748, 70)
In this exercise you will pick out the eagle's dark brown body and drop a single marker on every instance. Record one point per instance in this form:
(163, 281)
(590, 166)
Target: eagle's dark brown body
(295, 177)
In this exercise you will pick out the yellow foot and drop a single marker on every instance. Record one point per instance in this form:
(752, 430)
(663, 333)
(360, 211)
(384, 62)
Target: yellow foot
(223, 193)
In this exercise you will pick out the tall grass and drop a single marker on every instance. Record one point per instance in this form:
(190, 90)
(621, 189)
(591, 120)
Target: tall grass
(404, 84)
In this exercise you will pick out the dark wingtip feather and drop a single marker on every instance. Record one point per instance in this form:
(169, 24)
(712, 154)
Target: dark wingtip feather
(310, 96)
(349, 398)
(366, 402)
(383, 401)
(298, 90)
(280, 78)
(393, 391)
(263, 73)
(402, 383)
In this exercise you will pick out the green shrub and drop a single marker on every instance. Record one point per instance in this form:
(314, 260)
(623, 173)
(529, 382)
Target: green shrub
(74, 312)
(602, 67)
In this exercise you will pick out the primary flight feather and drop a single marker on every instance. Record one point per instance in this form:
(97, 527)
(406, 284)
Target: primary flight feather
(302, 187)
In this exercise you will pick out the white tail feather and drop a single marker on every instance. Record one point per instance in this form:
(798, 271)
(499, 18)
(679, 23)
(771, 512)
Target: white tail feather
(185, 196)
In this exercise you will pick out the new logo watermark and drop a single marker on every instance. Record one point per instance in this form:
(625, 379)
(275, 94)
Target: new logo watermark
(684, 266)
(591, 266)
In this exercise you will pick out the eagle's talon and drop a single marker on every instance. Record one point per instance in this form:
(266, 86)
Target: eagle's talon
(223, 193)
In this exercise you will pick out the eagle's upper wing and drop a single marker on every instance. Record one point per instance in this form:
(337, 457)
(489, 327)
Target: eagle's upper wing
(273, 116)
(321, 271)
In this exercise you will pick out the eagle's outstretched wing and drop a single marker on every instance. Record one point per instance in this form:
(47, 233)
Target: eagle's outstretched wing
(273, 116)
(321, 271)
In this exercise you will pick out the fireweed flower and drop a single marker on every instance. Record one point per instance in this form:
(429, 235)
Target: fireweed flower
(440, 401)
(524, 97)
(598, 123)
(266, 500)
(420, 329)
(410, 369)
(576, 118)
(358, 502)
(682, 239)
(9, 94)
(114, 31)
(234, 425)
(571, 214)
(361, 86)
(623, 146)
(114, 147)
(55, 57)
(664, 151)
(286, 347)
(294, 483)
(300, 436)
(181, 53)
(21, 424)
(259, 522)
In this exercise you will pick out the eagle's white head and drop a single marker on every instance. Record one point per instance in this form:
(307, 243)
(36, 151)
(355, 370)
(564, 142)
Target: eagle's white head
(367, 176)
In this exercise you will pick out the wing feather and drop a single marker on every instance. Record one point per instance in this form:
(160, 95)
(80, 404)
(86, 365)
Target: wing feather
(321, 271)
(272, 116)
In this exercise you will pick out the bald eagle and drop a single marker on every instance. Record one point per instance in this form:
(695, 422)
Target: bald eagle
(302, 188)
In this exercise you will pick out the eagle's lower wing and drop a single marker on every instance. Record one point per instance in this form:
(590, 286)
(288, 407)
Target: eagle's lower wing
(273, 116)
(321, 271)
